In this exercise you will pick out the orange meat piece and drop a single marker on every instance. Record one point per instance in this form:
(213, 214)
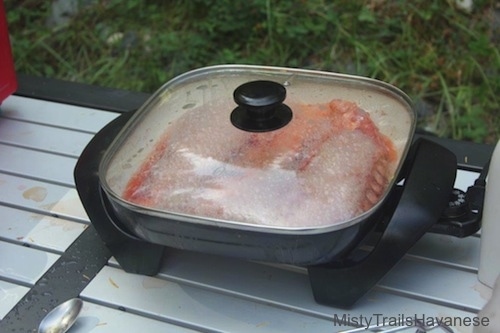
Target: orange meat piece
(328, 165)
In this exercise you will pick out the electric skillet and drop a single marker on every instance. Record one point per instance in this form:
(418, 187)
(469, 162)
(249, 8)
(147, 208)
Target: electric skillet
(271, 164)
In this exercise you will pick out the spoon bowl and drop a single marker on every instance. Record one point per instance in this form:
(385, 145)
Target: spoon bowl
(62, 317)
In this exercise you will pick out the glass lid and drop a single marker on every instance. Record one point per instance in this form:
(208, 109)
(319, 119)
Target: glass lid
(263, 146)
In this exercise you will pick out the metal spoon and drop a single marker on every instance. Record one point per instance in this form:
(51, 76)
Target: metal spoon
(62, 317)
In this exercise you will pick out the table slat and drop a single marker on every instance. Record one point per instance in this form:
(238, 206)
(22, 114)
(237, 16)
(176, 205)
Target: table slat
(37, 165)
(433, 283)
(24, 265)
(96, 318)
(38, 230)
(188, 305)
(56, 114)
(10, 294)
(44, 138)
(461, 253)
(41, 197)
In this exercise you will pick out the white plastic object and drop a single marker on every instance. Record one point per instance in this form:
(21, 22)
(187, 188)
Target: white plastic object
(489, 265)
(490, 312)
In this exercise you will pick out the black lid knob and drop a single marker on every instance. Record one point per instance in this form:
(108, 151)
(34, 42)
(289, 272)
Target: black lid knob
(260, 106)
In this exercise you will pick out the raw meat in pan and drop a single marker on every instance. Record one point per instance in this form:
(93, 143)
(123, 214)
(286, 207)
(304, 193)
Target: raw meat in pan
(328, 165)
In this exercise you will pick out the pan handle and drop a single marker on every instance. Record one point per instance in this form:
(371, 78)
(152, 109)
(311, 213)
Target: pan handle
(431, 171)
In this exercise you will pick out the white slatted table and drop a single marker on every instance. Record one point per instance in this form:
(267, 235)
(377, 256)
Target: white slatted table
(41, 216)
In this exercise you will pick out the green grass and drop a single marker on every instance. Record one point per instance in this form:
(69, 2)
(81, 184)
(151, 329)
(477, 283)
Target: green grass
(432, 50)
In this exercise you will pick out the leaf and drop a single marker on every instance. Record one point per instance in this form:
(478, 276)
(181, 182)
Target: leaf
(366, 15)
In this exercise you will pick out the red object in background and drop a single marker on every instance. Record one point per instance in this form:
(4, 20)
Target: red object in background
(8, 82)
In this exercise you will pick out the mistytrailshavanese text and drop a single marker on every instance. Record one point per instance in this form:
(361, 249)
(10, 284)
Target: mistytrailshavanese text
(379, 319)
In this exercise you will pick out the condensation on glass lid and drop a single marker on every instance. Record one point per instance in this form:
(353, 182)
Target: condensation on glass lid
(328, 165)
